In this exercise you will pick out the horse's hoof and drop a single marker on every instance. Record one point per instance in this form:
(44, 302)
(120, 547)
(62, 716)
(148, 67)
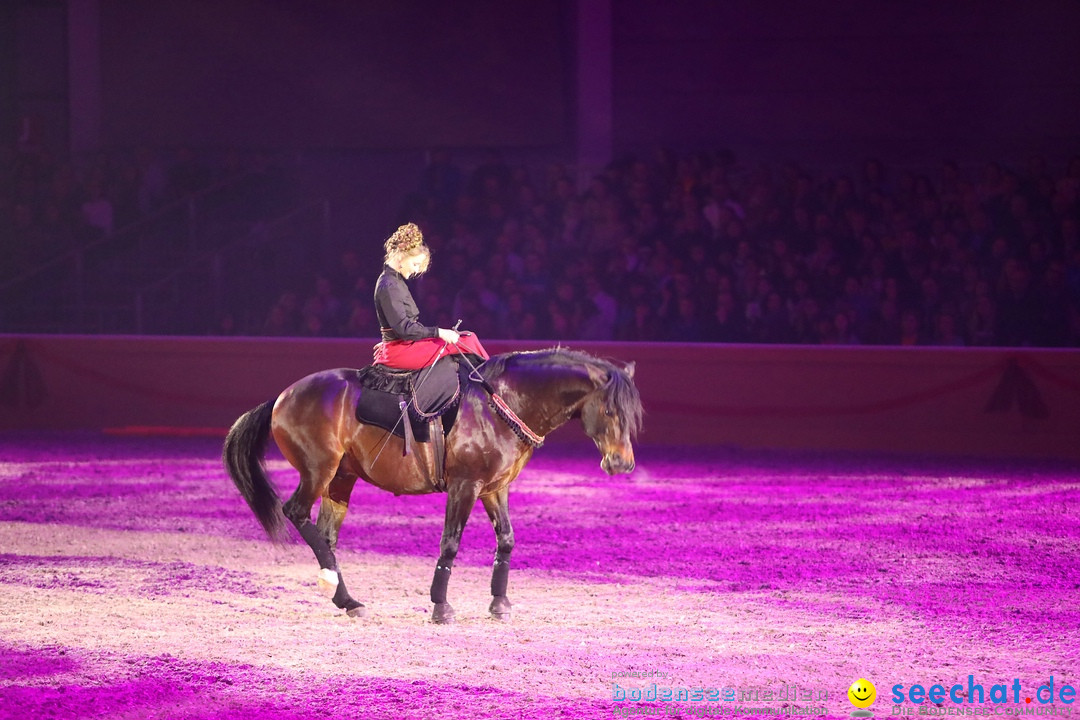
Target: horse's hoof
(443, 614)
(356, 610)
(500, 608)
(328, 582)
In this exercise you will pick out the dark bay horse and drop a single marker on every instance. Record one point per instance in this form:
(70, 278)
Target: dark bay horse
(314, 424)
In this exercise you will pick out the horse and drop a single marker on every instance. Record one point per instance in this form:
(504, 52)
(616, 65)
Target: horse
(516, 400)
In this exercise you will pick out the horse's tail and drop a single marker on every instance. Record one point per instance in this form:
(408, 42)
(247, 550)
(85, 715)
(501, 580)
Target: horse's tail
(245, 447)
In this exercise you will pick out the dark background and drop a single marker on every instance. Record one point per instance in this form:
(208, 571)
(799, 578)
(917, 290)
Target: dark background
(350, 98)
(809, 80)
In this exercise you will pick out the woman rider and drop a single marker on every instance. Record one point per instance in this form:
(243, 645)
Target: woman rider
(408, 344)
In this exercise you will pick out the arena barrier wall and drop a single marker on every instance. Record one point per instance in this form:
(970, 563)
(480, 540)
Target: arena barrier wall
(982, 402)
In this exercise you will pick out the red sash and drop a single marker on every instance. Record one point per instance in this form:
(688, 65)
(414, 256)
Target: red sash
(417, 354)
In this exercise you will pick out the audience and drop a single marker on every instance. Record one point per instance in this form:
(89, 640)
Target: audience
(48, 208)
(698, 248)
(690, 248)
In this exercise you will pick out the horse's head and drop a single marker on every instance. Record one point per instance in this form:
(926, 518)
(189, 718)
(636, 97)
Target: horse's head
(549, 387)
(611, 414)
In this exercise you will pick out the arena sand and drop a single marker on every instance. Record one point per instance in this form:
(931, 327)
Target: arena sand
(134, 583)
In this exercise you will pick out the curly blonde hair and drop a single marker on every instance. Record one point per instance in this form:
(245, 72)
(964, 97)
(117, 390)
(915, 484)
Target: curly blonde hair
(406, 240)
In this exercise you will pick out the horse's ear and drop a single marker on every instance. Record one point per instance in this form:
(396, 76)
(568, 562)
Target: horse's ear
(598, 375)
(630, 366)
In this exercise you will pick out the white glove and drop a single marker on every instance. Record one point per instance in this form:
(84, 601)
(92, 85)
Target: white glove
(450, 337)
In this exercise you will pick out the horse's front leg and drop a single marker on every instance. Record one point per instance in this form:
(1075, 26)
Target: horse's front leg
(459, 503)
(499, 514)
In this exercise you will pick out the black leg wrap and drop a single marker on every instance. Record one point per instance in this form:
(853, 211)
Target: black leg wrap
(318, 544)
(439, 583)
(500, 576)
(341, 596)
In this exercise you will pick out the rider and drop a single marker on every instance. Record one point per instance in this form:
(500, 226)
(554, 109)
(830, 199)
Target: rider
(408, 344)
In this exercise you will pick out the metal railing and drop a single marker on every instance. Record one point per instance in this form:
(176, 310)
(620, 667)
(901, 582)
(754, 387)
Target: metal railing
(74, 290)
(238, 277)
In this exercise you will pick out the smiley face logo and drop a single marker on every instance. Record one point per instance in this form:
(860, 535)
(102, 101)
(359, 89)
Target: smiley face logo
(862, 693)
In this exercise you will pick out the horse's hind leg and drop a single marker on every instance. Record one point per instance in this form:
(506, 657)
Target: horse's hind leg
(332, 509)
(298, 510)
(499, 514)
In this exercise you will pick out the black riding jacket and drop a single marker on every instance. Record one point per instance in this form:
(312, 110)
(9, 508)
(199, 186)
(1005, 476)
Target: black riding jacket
(399, 318)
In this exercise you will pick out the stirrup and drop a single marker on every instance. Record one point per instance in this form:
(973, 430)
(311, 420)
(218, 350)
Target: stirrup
(406, 426)
(438, 450)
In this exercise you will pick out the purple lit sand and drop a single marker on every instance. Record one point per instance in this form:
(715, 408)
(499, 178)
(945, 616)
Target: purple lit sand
(134, 583)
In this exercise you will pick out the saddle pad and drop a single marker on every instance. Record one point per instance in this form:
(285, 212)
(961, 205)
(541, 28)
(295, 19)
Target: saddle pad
(381, 409)
(436, 388)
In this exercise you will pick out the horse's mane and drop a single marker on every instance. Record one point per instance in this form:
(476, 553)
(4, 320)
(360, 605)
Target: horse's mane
(620, 393)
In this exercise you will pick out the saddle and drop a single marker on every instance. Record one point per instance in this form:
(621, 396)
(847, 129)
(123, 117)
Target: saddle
(415, 405)
(422, 405)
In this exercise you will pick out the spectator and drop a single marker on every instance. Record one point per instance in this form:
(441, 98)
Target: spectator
(278, 323)
(946, 331)
(599, 324)
(729, 324)
(692, 246)
(910, 328)
(97, 212)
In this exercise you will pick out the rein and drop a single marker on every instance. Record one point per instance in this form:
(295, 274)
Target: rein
(523, 431)
(516, 424)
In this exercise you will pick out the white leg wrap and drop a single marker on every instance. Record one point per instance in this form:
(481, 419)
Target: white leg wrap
(328, 577)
